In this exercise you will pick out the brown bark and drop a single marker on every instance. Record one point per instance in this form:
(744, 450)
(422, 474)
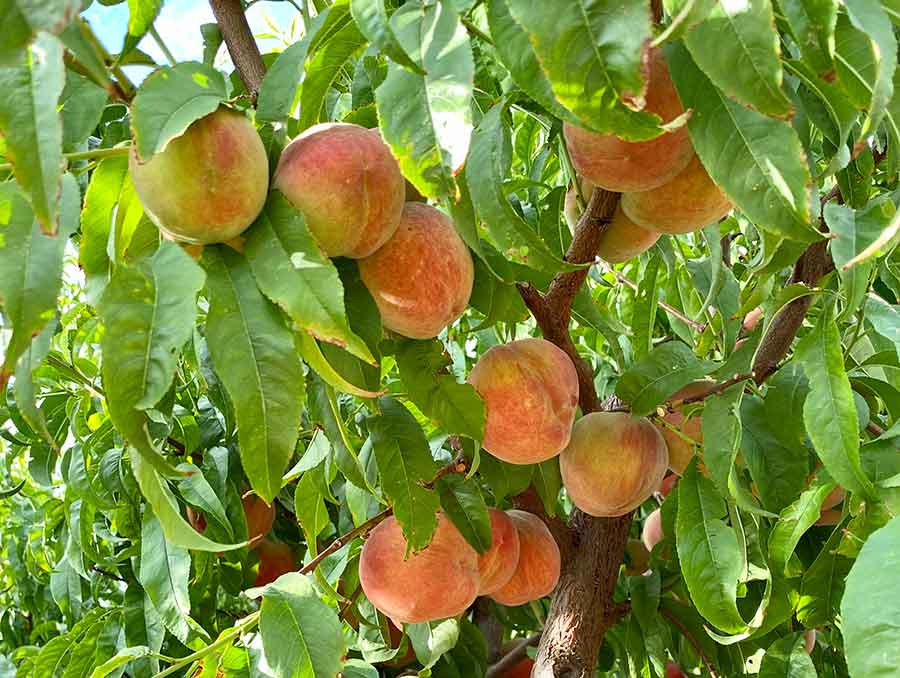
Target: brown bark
(240, 42)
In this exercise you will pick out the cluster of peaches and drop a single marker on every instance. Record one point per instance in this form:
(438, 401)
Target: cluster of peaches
(211, 183)
(664, 186)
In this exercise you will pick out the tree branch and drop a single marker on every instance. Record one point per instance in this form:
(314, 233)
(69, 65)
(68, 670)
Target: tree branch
(513, 657)
(240, 42)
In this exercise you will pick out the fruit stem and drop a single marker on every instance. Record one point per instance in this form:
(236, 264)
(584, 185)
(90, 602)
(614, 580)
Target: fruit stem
(162, 46)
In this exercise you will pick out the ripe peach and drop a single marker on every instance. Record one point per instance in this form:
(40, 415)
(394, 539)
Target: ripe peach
(619, 165)
(347, 184)
(422, 277)
(439, 581)
(497, 565)
(751, 320)
(622, 240)
(530, 392)
(674, 671)
(688, 202)
(207, 185)
(668, 483)
(522, 669)
(829, 518)
(835, 497)
(637, 558)
(652, 532)
(681, 451)
(613, 463)
(539, 561)
(275, 559)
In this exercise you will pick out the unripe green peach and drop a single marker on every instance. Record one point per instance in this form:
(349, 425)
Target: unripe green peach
(530, 392)
(619, 165)
(439, 581)
(537, 571)
(497, 565)
(207, 185)
(613, 463)
(652, 532)
(687, 203)
(347, 184)
(622, 240)
(421, 278)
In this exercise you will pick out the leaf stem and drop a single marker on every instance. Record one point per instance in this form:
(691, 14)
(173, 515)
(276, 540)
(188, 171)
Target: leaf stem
(248, 623)
(94, 154)
(162, 45)
(671, 310)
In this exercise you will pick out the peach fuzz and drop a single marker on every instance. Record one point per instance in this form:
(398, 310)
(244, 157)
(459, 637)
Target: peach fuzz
(537, 571)
(652, 531)
(613, 463)
(209, 184)
(619, 165)
(439, 581)
(275, 559)
(421, 279)
(497, 565)
(687, 203)
(622, 240)
(530, 391)
(347, 184)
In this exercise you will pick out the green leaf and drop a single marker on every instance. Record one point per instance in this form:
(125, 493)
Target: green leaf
(22, 19)
(487, 167)
(309, 507)
(856, 231)
(197, 491)
(737, 47)
(794, 521)
(787, 658)
(759, 162)
(291, 270)
(432, 640)
(425, 372)
(31, 265)
(547, 481)
(518, 55)
(169, 100)
(427, 119)
(829, 411)
(122, 658)
(871, 606)
(722, 435)
(316, 359)
(649, 382)
(708, 551)
(812, 23)
(884, 317)
(158, 495)
(82, 103)
(324, 410)
(301, 635)
(372, 19)
(278, 94)
(685, 15)
(141, 15)
(164, 573)
(404, 463)
(31, 125)
(325, 61)
(590, 51)
(503, 479)
(643, 318)
(823, 583)
(253, 355)
(463, 503)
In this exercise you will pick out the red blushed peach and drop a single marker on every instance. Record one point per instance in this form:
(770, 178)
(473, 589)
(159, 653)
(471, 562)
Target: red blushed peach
(829, 518)
(275, 559)
(668, 483)
(347, 184)
(537, 571)
(619, 165)
(497, 565)
(421, 278)
(652, 532)
(687, 203)
(207, 185)
(613, 463)
(681, 449)
(622, 240)
(674, 671)
(439, 581)
(530, 392)
(835, 497)
(520, 670)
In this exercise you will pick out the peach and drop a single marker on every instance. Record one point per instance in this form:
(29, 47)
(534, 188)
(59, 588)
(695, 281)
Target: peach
(530, 392)
(681, 450)
(497, 565)
(613, 463)
(422, 277)
(275, 559)
(668, 483)
(521, 669)
(809, 641)
(622, 240)
(637, 558)
(829, 518)
(687, 203)
(439, 581)
(537, 571)
(619, 165)
(209, 184)
(751, 320)
(347, 184)
(835, 497)
(652, 532)
(673, 670)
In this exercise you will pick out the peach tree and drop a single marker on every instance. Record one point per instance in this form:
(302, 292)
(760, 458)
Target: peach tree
(453, 338)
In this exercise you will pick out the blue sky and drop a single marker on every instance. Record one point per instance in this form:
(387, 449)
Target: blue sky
(179, 25)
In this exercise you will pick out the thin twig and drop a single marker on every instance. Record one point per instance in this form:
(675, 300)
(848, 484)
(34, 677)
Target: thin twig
(458, 465)
(513, 657)
(874, 429)
(240, 42)
(714, 389)
(687, 634)
(671, 310)
(93, 154)
(345, 539)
